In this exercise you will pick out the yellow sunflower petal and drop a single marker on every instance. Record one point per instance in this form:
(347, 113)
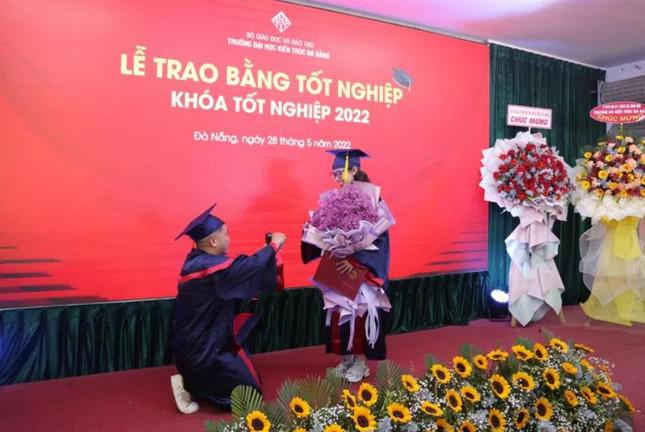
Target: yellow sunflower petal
(453, 399)
(543, 409)
(399, 413)
(367, 394)
(496, 420)
(256, 421)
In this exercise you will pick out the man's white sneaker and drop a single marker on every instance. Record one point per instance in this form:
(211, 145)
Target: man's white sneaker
(345, 364)
(183, 399)
(357, 372)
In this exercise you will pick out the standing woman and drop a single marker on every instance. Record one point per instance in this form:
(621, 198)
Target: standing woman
(361, 335)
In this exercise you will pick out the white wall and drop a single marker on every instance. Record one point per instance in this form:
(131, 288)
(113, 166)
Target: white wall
(626, 83)
(629, 70)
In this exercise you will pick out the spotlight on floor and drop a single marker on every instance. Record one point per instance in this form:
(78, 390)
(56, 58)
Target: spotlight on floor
(498, 306)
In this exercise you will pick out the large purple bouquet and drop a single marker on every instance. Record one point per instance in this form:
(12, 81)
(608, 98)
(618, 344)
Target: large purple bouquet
(348, 220)
(344, 209)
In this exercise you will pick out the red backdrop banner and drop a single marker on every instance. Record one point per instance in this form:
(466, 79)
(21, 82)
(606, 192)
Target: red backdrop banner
(121, 122)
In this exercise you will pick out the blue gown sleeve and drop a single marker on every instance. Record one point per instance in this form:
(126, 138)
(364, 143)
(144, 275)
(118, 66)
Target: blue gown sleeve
(309, 252)
(248, 276)
(377, 261)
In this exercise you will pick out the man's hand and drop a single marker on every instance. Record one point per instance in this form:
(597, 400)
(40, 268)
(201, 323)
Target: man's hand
(344, 266)
(278, 239)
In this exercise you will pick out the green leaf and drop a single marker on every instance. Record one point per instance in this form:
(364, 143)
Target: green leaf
(315, 390)
(337, 383)
(388, 376)
(245, 399)
(430, 360)
(468, 351)
(547, 334)
(275, 414)
(288, 391)
(211, 426)
(526, 343)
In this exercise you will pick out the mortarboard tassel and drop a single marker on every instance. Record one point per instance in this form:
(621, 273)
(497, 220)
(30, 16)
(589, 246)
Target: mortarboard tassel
(346, 170)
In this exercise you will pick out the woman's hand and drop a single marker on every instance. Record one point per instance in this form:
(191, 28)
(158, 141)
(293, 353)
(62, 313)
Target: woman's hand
(344, 266)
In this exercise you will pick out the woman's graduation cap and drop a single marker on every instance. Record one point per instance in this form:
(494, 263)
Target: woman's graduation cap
(346, 159)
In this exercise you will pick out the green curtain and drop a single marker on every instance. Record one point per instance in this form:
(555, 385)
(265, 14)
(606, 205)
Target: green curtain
(522, 78)
(63, 341)
(428, 302)
(57, 342)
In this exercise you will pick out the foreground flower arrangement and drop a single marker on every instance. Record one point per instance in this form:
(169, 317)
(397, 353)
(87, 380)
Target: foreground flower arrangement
(555, 386)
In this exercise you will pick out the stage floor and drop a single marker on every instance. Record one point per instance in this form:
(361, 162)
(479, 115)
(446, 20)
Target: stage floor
(141, 400)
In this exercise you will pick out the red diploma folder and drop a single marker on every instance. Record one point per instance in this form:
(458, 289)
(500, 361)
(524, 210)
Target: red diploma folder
(346, 284)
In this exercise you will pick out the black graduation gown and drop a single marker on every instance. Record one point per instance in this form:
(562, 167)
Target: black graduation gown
(208, 336)
(337, 337)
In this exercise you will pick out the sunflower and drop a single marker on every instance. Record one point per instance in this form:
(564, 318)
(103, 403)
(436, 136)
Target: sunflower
(334, 427)
(399, 413)
(588, 155)
(496, 420)
(569, 368)
(522, 418)
(462, 367)
(471, 394)
(559, 345)
(431, 409)
(571, 398)
(257, 422)
(552, 378)
(441, 373)
(543, 409)
(540, 352)
(410, 383)
(300, 429)
(467, 427)
(524, 381)
(367, 394)
(628, 404)
(586, 364)
(500, 386)
(444, 426)
(454, 400)
(349, 399)
(589, 395)
(480, 362)
(521, 353)
(605, 390)
(299, 407)
(364, 420)
(497, 355)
